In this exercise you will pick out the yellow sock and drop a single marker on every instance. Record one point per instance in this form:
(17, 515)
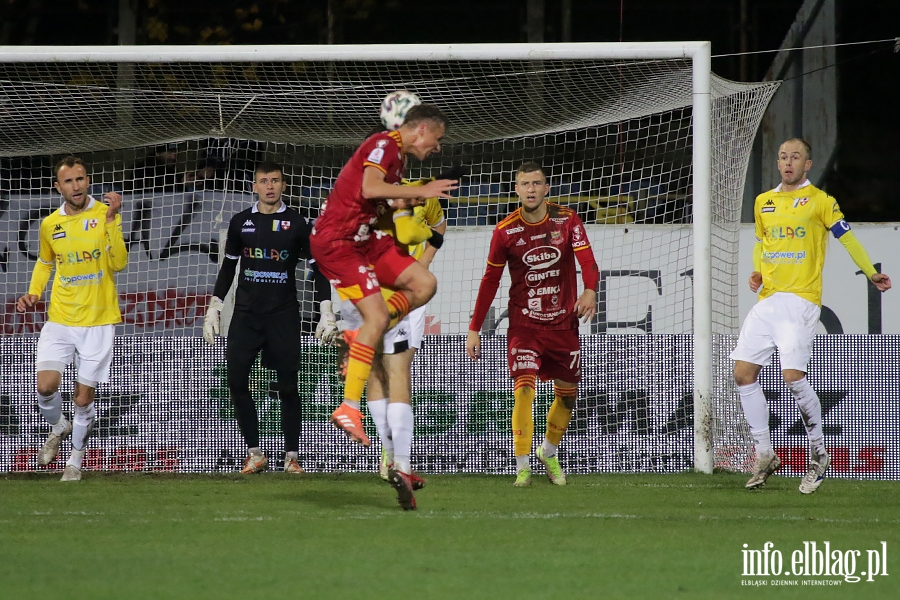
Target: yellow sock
(523, 414)
(358, 368)
(398, 307)
(559, 415)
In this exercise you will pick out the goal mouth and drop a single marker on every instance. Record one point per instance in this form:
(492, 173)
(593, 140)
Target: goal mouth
(178, 132)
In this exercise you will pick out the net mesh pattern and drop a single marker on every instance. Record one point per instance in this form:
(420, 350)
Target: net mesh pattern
(180, 142)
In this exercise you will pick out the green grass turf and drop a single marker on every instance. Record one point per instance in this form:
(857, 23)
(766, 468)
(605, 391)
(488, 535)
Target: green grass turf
(343, 536)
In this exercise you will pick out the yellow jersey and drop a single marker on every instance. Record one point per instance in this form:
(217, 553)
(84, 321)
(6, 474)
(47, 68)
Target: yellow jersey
(87, 252)
(792, 228)
(429, 215)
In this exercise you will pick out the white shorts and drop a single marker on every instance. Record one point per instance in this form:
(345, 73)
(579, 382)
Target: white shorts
(784, 321)
(89, 347)
(408, 333)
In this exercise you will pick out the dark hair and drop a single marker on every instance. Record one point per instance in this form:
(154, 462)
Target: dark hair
(806, 146)
(69, 161)
(267, 166)
(530, 167)
(425, 112)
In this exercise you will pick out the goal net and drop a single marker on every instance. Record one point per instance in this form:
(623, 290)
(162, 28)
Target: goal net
(178, 132)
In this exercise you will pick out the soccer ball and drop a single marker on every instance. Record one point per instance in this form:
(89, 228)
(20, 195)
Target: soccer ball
(394, 108)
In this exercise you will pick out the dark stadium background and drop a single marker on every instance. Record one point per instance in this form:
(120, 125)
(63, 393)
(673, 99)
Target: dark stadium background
(865, 177)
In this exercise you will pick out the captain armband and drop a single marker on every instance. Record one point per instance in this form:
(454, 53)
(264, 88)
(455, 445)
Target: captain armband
(840, 228)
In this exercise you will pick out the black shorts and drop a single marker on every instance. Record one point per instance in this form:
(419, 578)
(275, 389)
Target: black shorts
(276, 334)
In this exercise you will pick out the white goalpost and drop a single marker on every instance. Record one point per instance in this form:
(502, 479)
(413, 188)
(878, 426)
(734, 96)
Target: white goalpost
(642, 139)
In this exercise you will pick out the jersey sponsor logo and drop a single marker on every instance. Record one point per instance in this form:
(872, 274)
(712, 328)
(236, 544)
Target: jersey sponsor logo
(248, 226)
(77, 257)
(542, 316)
(784, 258)
(541, 257)
(800, 202)
(513, 230)
(543, 291)
(534, 303)
(59, 235)
(381, 143)
(521, 242)
(556, 238)
(533, 278)
(770, 202)
(785, 233)
(524, 359)
(85, 279)
(281, 225)
(376, 156)
(267, 253)
(559, 219)
(539, 236)
(577, 233)
(265, 276)
(580, 243)
(89, 224)
(766, 209)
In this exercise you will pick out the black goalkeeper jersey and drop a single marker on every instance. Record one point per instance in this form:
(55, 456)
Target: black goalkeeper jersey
(268, 247)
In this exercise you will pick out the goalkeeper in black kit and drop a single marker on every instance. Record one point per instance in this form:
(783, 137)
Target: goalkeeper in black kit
(269, 239)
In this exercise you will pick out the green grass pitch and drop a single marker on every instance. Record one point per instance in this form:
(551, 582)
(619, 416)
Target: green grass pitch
(132, 536)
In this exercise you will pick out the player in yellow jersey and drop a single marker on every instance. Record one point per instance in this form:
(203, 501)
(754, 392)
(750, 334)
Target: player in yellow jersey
(792, 225)
(83, 239)
(389, 386)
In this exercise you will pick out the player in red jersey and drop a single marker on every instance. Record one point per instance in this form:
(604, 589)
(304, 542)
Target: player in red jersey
(540, 242)
(357, 258)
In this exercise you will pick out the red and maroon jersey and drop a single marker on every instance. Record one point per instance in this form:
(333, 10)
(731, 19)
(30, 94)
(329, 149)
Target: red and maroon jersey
(346, 215)
(541, 258)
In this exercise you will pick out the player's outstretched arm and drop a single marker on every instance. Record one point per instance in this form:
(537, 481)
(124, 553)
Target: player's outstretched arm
(374, 186)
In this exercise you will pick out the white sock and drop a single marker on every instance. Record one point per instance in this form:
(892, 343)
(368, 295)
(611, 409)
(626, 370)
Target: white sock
(548, 448)
(378, 410)
(401, 422)
(523, 462)
(352, 403)
(289, 455)
(811, 412)
(756, 411)
(255, 451)
(51, 409)
(75, 458)
(82, 424)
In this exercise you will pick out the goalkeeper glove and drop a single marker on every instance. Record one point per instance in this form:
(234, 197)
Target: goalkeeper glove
(454, 172)
(211, 321)
(327, 329)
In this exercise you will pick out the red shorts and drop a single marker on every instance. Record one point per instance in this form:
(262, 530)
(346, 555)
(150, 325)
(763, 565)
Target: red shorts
(359, 271)
(549, 354)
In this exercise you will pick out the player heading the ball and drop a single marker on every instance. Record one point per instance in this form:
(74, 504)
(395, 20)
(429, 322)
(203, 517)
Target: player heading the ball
(358, 259)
